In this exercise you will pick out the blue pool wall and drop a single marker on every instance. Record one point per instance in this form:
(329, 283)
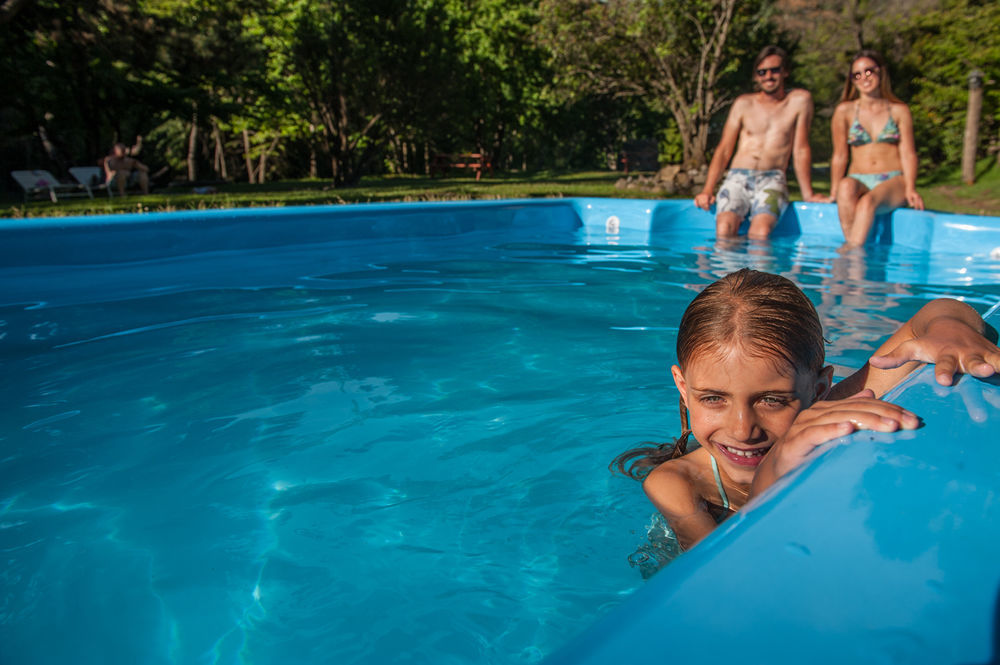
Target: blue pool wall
(137, 237)
(882, 550)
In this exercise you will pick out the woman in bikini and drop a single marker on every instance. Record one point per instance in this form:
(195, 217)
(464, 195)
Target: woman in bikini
(883, 170)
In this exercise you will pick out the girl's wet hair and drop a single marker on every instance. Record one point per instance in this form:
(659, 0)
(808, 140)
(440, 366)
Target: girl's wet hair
(750, 312)
(757, 313)
(884, 84)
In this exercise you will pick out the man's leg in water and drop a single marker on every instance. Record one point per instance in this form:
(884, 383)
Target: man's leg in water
(761, 226)
(727, 224)
(732, 203)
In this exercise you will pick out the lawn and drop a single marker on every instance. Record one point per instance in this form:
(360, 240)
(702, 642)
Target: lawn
(942, 190)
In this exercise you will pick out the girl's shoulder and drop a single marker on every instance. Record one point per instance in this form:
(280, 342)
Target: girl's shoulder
(679, 480)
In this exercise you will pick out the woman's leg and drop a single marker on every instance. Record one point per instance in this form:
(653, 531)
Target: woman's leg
(887, 196)
(848, 193)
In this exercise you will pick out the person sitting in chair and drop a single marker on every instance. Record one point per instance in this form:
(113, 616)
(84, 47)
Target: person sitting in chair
(123, 171)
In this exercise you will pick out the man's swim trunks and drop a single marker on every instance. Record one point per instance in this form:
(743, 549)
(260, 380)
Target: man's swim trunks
(754, 192)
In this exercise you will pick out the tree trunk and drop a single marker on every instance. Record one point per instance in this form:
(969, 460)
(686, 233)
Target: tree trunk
(9, 9)
(219, 162)
(313, 168)
(313, 164)
(499, 136)
(50, 148)
(262, 169)
(192, 166)
(246, 157)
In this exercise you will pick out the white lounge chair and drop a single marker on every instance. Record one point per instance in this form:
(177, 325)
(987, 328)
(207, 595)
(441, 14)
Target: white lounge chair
(91, 177)
(39, 182)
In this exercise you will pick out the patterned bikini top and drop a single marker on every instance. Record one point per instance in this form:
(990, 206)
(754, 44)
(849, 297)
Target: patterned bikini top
(858, 135)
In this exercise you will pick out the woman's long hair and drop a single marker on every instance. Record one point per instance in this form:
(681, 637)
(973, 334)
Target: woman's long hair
(762, 315)
(884, 84)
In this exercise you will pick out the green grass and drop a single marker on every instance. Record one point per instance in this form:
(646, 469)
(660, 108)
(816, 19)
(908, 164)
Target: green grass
(941, 190)
(944, 190)
(317, 192)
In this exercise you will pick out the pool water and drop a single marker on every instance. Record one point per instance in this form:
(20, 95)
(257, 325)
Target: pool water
(360, 451)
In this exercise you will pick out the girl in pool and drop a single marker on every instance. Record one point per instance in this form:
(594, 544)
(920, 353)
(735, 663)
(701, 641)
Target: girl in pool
(878, 129)
(751, 375)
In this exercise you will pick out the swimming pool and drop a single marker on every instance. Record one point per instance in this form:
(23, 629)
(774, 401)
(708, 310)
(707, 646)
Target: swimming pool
(367, 434)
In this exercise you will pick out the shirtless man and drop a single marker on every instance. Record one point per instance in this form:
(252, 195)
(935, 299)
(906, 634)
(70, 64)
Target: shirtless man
(122, 170)
(770, 125)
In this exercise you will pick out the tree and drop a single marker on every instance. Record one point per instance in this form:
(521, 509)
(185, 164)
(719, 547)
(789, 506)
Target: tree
(337, 60)
(10, 8)
(684, 56)
(943, 46)
(82, 77)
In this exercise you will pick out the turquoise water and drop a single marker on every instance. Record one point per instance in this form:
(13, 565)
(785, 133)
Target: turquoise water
(358, 452)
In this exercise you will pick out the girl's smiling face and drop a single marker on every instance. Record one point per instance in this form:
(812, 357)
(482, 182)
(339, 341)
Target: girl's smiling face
(740, 405)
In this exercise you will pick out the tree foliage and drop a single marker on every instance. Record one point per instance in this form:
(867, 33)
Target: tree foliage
(684, 56)
(944, 47)
(260, 89)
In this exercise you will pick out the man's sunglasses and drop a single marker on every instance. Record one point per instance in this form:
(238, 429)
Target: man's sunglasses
(868, 73)
(774, 70)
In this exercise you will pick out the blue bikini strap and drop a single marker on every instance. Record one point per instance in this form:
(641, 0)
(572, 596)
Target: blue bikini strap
(718, 483)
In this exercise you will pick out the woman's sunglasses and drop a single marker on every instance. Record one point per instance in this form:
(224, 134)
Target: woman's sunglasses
(761, 73)
(868, 73)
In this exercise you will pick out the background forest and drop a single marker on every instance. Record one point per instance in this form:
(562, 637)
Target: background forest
(257, 90)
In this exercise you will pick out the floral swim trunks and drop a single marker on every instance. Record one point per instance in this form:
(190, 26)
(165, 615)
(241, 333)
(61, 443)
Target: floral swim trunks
(754, 192)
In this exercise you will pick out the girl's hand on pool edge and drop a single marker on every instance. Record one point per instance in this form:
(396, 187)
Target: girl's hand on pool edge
(952, 345)
(828, 420)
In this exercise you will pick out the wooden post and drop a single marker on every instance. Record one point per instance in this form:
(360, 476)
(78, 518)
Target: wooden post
(972, 126)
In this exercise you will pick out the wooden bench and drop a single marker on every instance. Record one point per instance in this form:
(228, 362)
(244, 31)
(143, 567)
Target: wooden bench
(476, 161)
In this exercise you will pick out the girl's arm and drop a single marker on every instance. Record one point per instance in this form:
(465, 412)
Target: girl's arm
(825, 421)
(838, 162)
(945, 332)
(908, 154)
(671, 491)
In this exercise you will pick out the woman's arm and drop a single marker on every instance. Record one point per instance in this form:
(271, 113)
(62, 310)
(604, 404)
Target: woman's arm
(670, 489)
(946, 332)
(908, 154)
(838, 161)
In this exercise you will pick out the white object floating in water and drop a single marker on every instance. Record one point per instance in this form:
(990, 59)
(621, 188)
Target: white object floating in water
(995, 253)
(612, 225)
